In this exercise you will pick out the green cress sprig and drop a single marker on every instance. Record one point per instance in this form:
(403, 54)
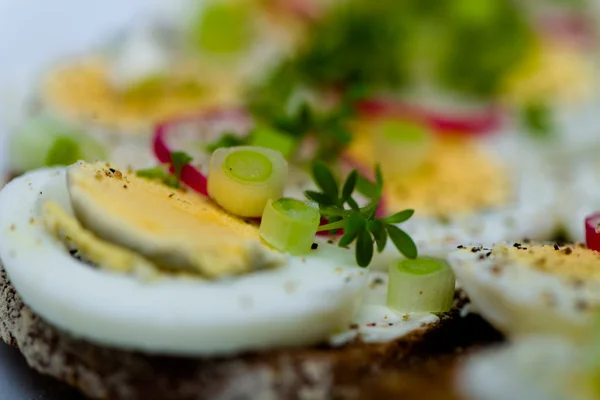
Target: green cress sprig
(359, 223)
(179, 159)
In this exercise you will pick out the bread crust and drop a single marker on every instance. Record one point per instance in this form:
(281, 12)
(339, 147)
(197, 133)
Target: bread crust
(357, 370)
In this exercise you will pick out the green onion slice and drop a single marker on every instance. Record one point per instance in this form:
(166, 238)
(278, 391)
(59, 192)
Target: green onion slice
(222, 28)
(241, 179)
(273, 139)
(401, 146)
(289, 225)
(248, 166)
(420, 285)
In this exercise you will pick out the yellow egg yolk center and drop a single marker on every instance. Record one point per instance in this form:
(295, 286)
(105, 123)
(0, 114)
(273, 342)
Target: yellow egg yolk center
(82, 91)
(456, 177)
(574, 262)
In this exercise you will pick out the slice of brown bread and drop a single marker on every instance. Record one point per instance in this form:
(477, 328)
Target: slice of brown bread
(357, 370)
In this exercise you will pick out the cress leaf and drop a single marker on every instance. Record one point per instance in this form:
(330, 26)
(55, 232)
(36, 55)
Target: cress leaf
(378, 179)
(325, 180)
(321, 199)
(364, 248)
(377, 228)
(179, 159)
(354, 224)
(399, 217)
(159, 172)
(226, 140)
(402, 241)
(366, 187)
(353, 204)
(349, 186)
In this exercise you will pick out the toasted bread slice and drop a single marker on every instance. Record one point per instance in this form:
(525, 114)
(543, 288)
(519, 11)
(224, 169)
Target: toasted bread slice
(356, 370)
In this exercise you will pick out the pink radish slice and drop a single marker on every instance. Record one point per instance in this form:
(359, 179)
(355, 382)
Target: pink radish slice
(308, 9)
(476, 123)
(592, 232)
(574, 27)
(190, 175)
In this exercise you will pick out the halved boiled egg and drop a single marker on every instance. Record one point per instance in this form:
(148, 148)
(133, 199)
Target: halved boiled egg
(468, 191)
(581, 197)
(534, 368)
(525, 289)
(298, 301)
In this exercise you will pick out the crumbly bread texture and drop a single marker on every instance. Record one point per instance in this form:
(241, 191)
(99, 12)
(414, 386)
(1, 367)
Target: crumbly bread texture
(405, 368)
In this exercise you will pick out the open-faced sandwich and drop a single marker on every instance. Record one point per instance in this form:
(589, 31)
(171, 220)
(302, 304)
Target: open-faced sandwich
(127, 287)
(546, 299)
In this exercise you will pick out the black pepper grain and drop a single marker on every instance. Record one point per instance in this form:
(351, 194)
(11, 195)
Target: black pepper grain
(314, 246)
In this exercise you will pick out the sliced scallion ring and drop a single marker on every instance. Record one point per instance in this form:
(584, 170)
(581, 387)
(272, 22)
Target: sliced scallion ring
(289, 225)
(401, 146)
(222, 28)
(420, 285)
(242, 179)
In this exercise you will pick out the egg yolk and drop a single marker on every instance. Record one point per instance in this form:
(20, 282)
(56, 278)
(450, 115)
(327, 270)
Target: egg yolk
(551, 71)
(571, 262)
(82, 91)
(457, 177)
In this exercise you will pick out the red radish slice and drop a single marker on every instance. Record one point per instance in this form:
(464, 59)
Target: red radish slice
(477, 123)
(191, 176)
(308, 9)
(592, 232)
(573, 27)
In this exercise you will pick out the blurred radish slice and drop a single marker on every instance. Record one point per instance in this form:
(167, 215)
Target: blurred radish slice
(166, 131)
(475, 123)
(307, 9)
(571, 27)
(592, 232)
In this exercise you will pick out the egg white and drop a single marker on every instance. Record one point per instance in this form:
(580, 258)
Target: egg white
(375, 322)
(581, 197)
(528, 215)
(296, 305)
(520, 301)
(535, 368)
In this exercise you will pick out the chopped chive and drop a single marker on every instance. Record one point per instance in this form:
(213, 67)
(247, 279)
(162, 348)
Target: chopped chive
(420, 285)
(290, 225)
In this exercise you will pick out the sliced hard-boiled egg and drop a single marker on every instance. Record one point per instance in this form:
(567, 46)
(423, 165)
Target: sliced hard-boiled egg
(565, 81)
(525, 289)
(97, 251)
(534, 368)
(175, 229)
(300, 303)
(470, 192)
(581, 197)
(375, 322)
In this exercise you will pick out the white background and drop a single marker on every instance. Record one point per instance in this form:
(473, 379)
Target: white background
(34, 32)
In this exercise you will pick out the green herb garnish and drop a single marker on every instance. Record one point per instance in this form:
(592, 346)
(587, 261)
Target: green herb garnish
(226, 140)
(159, 173)
(179, 159)
(359, 223)
(537, 118)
